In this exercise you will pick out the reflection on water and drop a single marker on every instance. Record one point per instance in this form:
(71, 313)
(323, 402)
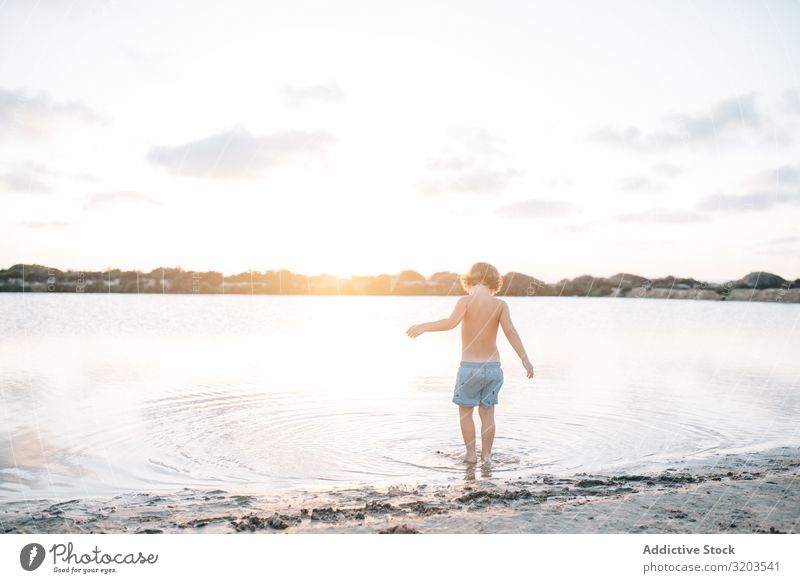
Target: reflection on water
(101, 393)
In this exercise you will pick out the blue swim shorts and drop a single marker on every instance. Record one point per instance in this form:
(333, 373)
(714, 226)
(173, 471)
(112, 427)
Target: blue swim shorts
(477, 383)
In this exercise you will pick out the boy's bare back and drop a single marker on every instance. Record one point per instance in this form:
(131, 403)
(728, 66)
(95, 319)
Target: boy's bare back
(482, 312)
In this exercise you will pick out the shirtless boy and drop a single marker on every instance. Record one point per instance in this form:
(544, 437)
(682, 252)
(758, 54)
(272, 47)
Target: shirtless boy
(479, 377)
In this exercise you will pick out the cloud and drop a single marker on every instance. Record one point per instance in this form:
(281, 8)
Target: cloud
(297, 95)
(629, 136)
(25, 179)
(753, 201)
(470, 165)
(779, 186)
(667, 170)
(238, 153)
(781, 177)
(35, 178)
(785, 240)
(735, 112)
(48, 225)
(556, 182)
(143, 55)
(724, 118)
(37, 115)
(472, 181)
(791, 102)
(450, 164)
(536, 208)
(643, 183)
(580, 227)
(32, 177)
(110, 199)
(778, 252)
(477, 140)
(640, 184)
(663, 216)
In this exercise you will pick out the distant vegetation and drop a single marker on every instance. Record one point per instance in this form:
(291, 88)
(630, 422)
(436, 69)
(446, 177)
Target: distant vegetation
(172, 280)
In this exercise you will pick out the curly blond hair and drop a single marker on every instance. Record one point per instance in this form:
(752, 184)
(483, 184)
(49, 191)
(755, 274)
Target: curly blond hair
(482, 273)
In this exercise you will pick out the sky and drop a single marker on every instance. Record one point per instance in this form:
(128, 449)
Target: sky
(352, 138)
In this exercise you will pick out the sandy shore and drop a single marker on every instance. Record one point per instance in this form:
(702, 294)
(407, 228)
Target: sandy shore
(734, 493)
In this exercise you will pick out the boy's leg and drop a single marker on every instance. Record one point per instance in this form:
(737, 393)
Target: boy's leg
(468, 432)
(487, 432)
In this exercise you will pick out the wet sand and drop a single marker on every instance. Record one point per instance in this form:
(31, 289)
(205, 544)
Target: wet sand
(738, 493)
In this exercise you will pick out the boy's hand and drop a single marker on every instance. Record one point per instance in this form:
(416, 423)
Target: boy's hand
(415, 331)
(528, 367)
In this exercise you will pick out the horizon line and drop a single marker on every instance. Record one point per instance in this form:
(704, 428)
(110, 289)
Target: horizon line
(427, 278)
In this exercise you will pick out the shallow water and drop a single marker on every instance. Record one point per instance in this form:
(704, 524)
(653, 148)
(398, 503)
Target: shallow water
(104, 393)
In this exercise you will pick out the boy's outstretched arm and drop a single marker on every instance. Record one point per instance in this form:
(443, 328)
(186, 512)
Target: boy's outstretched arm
(514, 339)
(441, 325)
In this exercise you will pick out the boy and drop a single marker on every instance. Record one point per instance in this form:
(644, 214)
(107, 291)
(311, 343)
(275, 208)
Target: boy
(479, 377)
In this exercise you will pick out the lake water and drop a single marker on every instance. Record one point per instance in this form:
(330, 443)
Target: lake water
(108, 393)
